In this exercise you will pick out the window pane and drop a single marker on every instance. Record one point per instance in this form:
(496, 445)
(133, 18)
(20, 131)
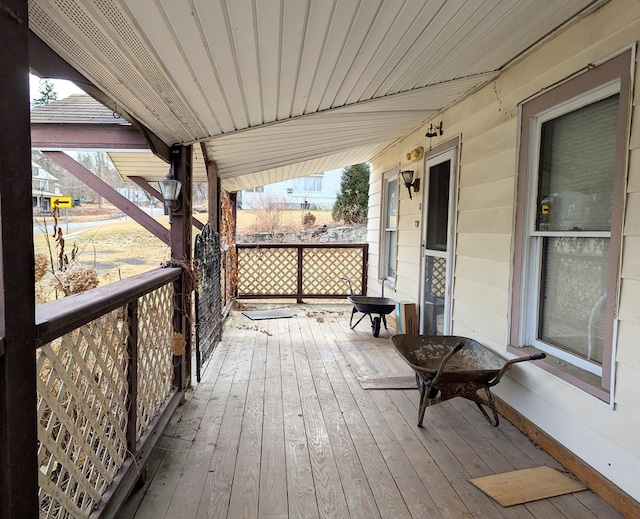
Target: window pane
(391, 251)
(573, 295)
(313, 183)
(392, 204)
(576, 169)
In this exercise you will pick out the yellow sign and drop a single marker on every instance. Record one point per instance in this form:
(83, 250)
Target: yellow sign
(61, 201)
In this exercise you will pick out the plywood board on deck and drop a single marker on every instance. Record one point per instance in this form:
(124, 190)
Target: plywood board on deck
(377, 365)
(522, 486)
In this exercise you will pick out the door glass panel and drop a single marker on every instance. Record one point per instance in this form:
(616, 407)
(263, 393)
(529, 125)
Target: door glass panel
(435, 291)
(436, 259)
(438, 208)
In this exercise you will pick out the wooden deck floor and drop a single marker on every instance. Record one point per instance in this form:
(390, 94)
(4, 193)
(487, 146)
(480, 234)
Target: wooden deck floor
(280, 427)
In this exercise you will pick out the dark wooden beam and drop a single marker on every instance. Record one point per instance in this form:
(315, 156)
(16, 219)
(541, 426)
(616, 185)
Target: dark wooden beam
(106, 191)
(86, 136)
(156, 144)
(141, 182)
(18, 419)
(181, 247)
(45, 62)
(213, 183)
(132, 376)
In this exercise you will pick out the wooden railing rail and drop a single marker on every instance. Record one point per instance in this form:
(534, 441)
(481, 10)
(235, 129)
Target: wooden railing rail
(58, 317)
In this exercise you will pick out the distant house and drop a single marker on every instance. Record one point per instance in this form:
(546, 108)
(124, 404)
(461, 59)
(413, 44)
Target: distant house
(43, 186)
(315, 192)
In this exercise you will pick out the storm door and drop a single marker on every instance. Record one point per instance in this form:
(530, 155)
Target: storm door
(437, 244)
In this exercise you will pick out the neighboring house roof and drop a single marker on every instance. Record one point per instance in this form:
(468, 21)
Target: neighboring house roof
(37, 172)
(76, 109)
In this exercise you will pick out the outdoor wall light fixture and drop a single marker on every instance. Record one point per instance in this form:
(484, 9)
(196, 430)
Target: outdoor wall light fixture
(407, 178)
(170, 188)
(434, 131)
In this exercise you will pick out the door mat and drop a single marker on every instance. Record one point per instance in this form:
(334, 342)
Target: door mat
(377, 365)
(258, 315)
(523, 486)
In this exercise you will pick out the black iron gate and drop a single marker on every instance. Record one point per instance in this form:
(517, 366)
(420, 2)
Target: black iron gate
(208, 298)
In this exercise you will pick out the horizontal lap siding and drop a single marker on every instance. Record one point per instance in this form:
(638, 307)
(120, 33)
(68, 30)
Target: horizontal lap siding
(627, 395)
(488, 123)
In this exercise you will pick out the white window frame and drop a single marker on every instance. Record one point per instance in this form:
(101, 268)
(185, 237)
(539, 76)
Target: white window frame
(606, 78)
(532, 247)
(385, 229)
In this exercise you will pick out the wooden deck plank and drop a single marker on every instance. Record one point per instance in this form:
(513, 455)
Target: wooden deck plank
(246, 477)
(280, 427)
(390, 503)
(329, 493)
(357, 491)
(132, 505)
(452, 469)
(214, 393)
(495, 436)
(218, 484)
(300, 486)
(273, 469)
(409, 466)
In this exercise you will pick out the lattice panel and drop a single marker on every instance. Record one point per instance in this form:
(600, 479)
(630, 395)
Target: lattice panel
(267, 271)
(322, 270)
(155, 359)
(437, 276)
(82, 415)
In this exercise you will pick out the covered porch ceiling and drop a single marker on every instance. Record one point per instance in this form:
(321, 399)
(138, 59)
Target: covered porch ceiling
(276, 89)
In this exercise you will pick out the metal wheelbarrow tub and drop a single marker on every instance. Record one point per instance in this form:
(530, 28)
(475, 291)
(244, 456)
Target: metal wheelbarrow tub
(448, 366)
(370, 305)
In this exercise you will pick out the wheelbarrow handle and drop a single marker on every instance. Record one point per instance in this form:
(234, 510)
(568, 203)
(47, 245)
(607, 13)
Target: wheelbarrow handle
(446, 358)
(343, 278)
(509, 363)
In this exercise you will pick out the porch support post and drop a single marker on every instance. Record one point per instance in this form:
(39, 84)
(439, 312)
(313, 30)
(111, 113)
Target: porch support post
(233, 198)
(105, 190)
(132, 376)
(181, 247)
(214, 195)
(18, 419)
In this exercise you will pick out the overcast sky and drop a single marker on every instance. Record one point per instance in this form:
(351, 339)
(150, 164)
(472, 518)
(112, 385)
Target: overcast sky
(63, 88)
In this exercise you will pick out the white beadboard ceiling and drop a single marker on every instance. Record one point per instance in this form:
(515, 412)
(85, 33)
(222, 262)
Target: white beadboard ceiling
(282, 88)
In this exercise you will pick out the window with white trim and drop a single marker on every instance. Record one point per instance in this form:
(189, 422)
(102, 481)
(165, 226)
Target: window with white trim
(389, 242)
(313, 182)
(568, 224)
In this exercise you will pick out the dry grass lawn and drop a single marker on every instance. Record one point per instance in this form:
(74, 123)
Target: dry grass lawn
(252, 220)
(123, 249)
(117, 250)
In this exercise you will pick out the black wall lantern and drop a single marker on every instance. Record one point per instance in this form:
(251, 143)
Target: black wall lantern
(407, 178)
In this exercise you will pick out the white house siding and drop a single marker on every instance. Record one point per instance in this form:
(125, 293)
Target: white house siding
(605, 436)
(278, 192)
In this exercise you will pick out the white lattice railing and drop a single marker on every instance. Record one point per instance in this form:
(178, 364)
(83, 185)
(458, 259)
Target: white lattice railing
(87, 391)
(300, 270)
(155, 363)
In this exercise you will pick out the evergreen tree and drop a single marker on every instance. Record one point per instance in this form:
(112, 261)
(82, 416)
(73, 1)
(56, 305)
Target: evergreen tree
(352, 202)
(47, 93)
